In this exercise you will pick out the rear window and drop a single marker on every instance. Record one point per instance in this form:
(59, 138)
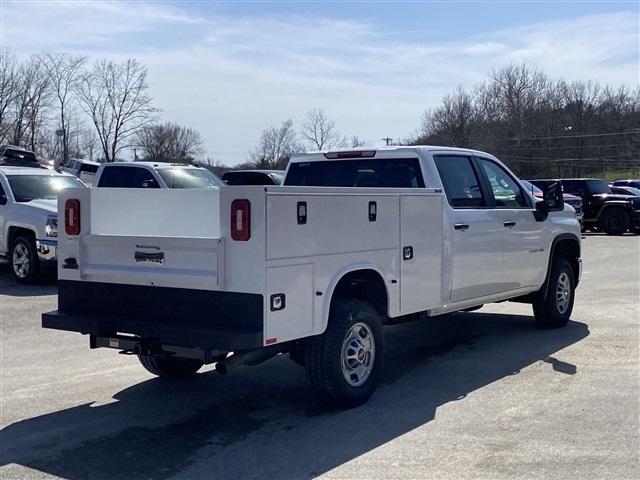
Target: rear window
(20, 155)
(380, 173)
(247, 178)
(89, 168)
(116, 177)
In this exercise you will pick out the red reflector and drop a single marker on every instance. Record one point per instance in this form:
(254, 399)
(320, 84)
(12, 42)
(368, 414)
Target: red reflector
(269, 341)
(241, 220)
(353, 154)
(72, 217)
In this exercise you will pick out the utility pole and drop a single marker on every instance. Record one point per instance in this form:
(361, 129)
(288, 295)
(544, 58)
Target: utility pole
(388, 140)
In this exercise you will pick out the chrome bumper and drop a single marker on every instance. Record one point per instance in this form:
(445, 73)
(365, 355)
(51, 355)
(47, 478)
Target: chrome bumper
(47, 251)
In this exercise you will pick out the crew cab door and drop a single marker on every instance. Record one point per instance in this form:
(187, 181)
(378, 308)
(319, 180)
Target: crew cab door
(475, 231)
(524, 255)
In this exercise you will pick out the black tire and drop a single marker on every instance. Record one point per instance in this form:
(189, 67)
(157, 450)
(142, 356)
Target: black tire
(170, 367)
(324, 355)
(24, 261)
(553, 311)
(614, 221)
(635, 230)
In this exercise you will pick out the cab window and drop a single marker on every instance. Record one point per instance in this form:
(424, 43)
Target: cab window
(460, 181)
(506, 191)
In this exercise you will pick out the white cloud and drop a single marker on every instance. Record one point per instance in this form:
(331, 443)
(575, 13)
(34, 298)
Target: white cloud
(230, 77)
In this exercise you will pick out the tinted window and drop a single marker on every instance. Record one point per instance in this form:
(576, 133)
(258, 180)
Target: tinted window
(247, 178)
(459, 180)
(143, 178)
(89, 168)
(19, 155)
(116, 177)
(598, 186)
(390, 173)
(506, 191)
(574, 187)
(30, 187)
(189, 178)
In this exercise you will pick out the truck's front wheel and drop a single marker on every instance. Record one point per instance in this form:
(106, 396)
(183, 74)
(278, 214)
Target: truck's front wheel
(614, 221)
(25, 265)
(344, 364)
(170, 367)
(554, 310)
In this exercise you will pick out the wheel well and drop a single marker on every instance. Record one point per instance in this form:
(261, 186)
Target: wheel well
(16, 232)
(365, 285)
(569, 250)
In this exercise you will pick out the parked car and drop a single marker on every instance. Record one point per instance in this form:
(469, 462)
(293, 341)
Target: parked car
(573, 200)
(85, 170)
(625, 191)
(603, 210)
(253, 177)
(154, 175)
(635, 183)
(11, 155)
(29, 219)
(315, 272)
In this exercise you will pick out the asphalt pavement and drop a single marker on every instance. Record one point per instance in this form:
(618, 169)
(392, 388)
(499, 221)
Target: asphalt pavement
(476, 395)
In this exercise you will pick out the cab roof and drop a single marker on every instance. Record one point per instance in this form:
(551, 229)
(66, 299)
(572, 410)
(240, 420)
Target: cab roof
(156, 165)
(379, 152)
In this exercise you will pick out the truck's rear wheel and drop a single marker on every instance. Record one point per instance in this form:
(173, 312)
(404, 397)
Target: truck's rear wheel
(170, 367)
(344, 364)
(614, 221)
(25, 264)
(554, 310)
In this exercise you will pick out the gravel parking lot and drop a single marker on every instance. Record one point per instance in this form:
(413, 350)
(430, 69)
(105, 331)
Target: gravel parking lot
(477, 395)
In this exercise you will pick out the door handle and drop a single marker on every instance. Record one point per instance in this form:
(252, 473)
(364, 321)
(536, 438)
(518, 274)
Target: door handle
(509, 224)
(461, 226)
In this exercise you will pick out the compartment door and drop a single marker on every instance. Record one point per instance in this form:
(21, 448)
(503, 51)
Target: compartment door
(421, 232)
(295, 320)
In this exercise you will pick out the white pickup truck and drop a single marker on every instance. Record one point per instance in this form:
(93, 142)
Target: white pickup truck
(313, 268)
(29, 219)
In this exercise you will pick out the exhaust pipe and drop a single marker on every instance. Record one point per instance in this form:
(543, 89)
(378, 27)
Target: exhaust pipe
(247, 357)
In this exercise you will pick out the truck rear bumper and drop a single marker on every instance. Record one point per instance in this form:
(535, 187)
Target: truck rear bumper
(191, 318)
(219, 338)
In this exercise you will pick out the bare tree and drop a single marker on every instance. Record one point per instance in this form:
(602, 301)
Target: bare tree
(64, 71)
(357, 142)
(277, 145)
(320, 131)
(451, 121)
(115, 96)
(169, 142)
(8, 90)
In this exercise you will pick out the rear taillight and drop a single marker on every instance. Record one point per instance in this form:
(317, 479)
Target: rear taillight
(72, 216)
(241, 220)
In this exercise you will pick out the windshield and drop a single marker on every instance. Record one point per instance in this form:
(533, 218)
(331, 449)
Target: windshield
(189, 178)
(598, 186)
(531, 188)
(31, 187)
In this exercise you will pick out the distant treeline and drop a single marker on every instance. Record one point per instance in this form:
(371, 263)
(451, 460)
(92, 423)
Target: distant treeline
(541, 126)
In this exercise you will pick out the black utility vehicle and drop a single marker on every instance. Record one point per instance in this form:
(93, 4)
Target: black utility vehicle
(12, 156)
(604, 210)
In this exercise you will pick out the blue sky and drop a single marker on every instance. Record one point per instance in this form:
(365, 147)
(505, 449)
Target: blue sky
(233, 69)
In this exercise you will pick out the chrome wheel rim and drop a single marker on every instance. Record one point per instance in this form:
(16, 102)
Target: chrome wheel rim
(21, 260)
(358, 354)
(563, 292)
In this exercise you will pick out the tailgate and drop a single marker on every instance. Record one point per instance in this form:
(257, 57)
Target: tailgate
(145, 237)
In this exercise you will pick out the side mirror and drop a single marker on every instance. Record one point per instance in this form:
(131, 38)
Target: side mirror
(3, 199)
(552, 198)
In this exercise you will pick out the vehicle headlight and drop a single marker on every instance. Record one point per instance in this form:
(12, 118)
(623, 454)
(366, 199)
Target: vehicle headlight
(51, 228)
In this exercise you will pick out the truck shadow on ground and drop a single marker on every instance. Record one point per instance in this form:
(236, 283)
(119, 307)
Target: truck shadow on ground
(262, 422)
(8, 286)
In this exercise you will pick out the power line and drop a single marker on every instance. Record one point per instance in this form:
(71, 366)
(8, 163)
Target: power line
(585, 135)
